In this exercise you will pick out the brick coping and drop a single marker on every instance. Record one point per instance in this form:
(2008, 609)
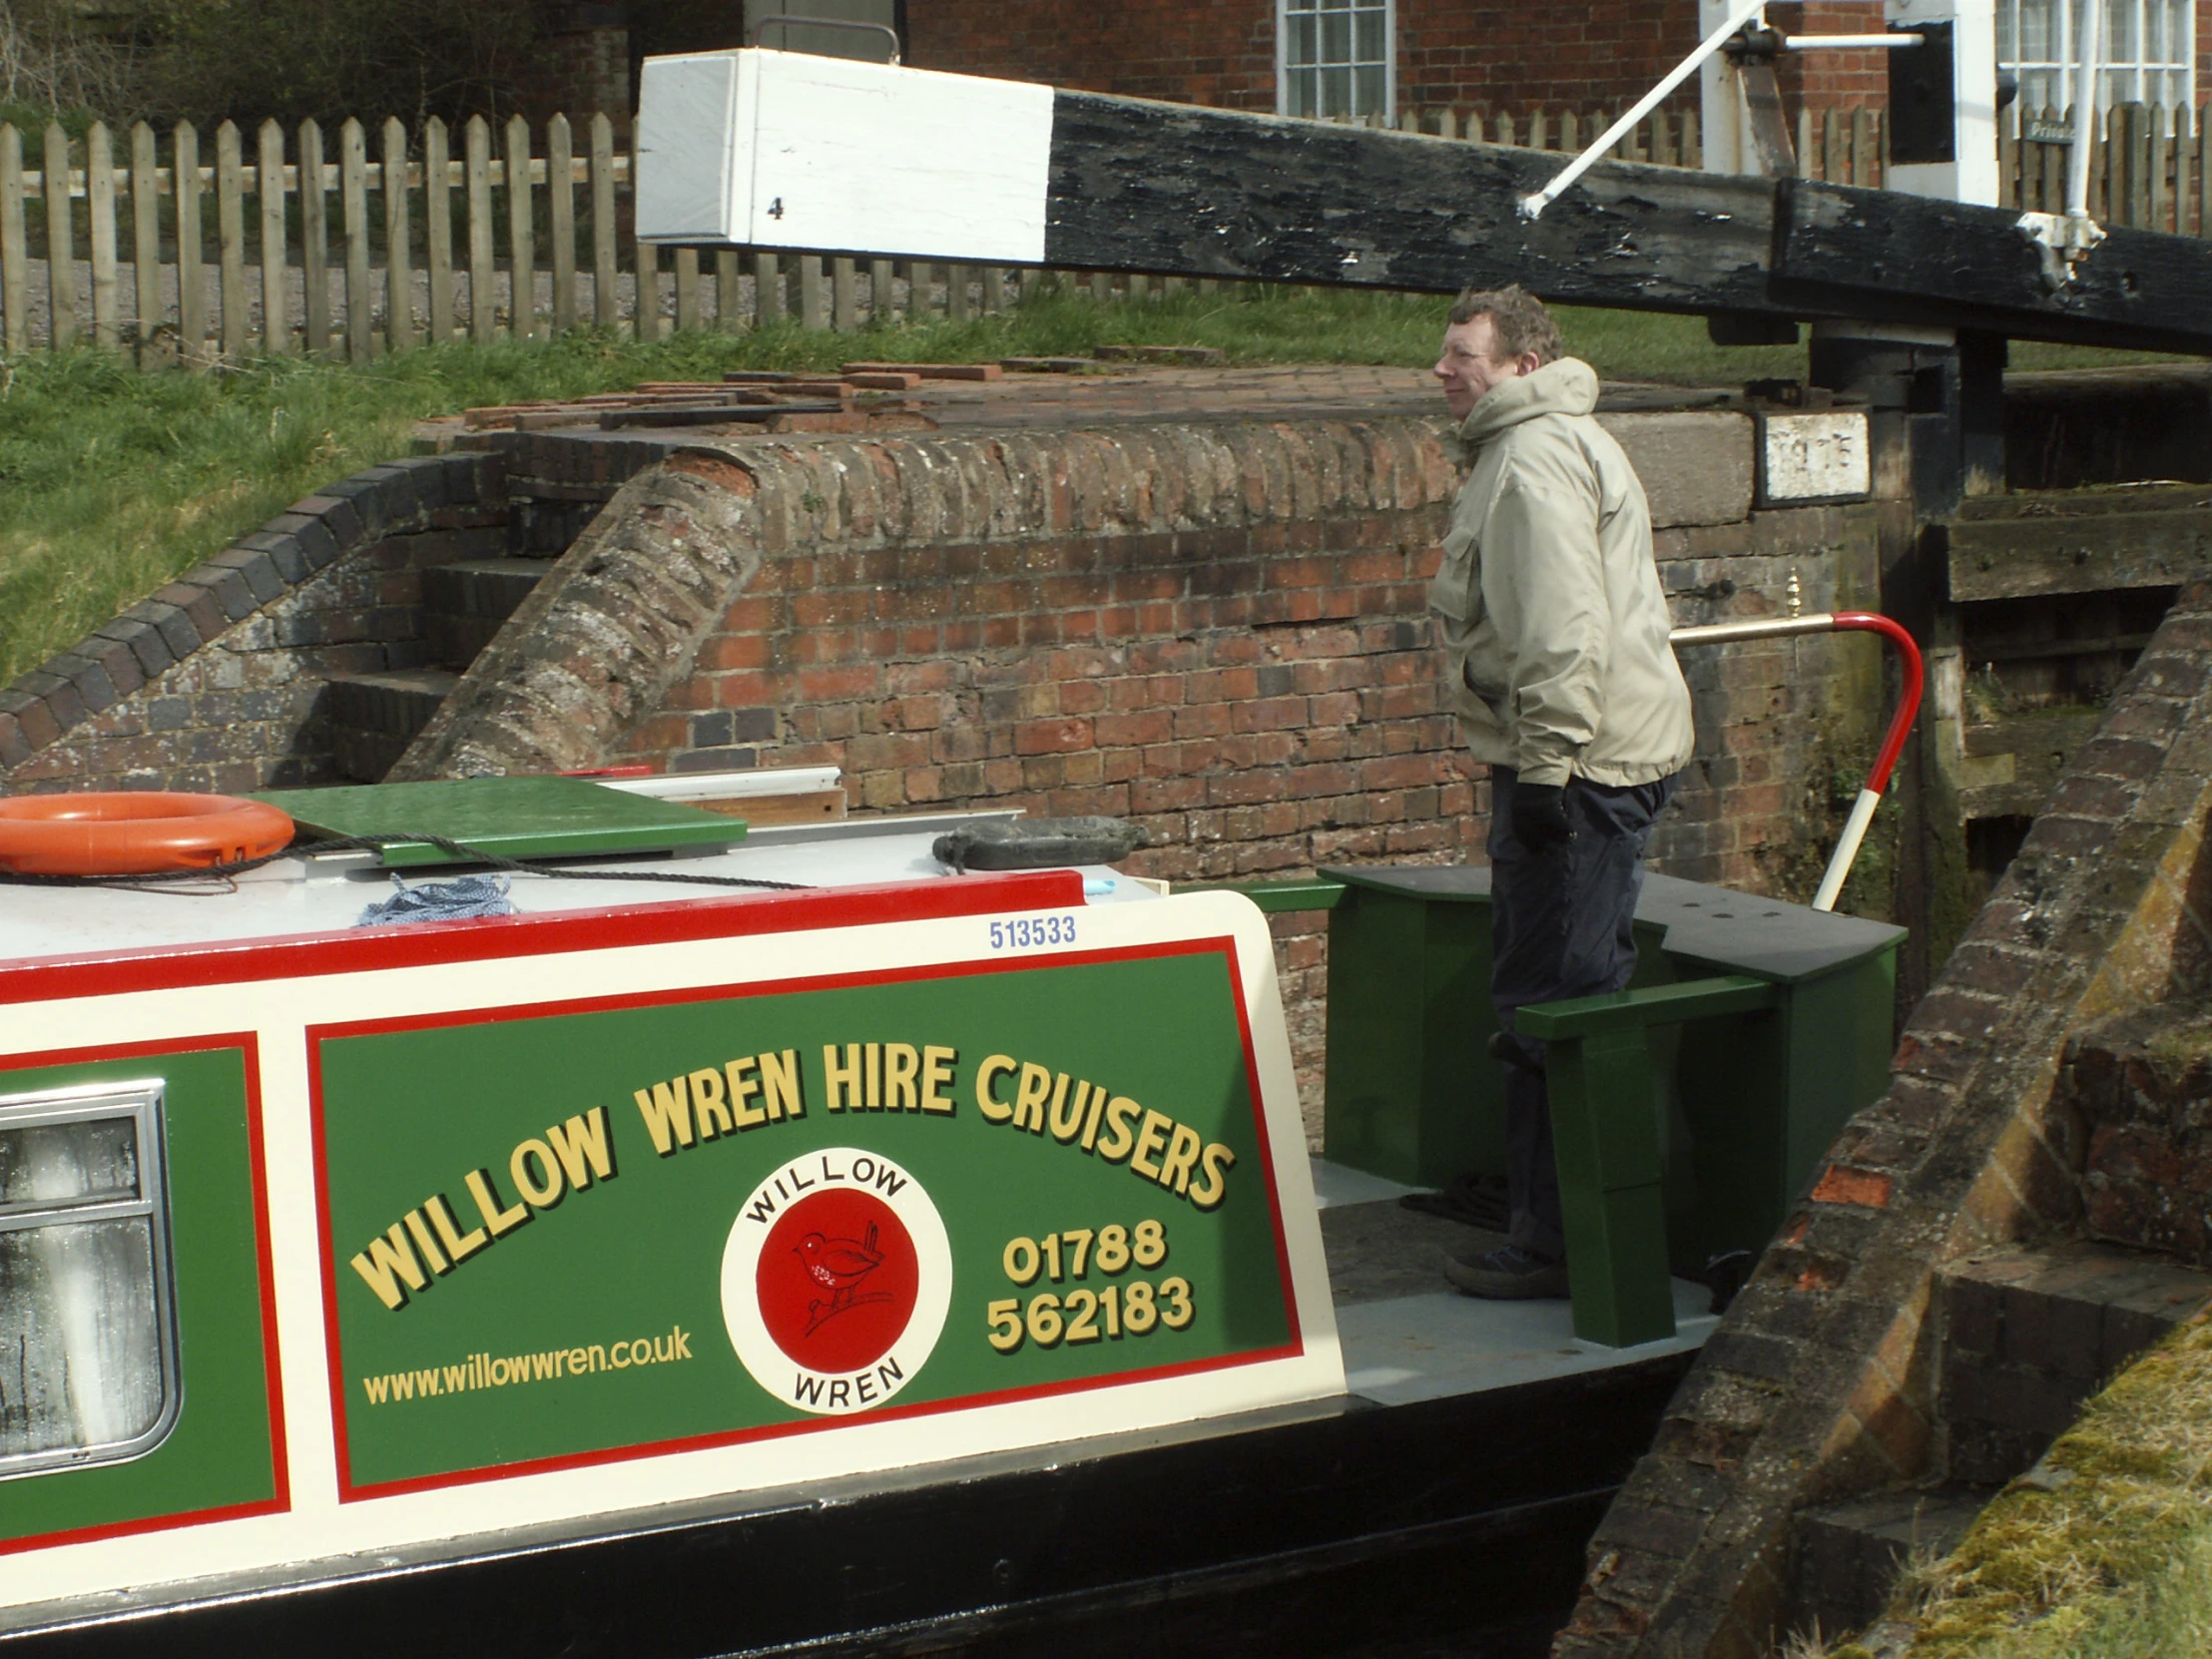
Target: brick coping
(1114, 394)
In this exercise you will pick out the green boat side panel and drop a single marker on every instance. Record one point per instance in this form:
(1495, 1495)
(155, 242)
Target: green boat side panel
(515, 818)
(1276, 897)
(220, 1458)
(494, 1363)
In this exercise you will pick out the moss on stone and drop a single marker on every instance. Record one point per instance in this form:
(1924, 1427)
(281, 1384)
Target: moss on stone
(2085, 1540)
(2177, 1050)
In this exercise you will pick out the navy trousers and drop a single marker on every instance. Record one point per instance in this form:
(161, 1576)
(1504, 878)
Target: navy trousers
(1559, 928)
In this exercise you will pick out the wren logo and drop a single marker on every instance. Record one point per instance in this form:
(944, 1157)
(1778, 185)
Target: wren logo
(836, 1281)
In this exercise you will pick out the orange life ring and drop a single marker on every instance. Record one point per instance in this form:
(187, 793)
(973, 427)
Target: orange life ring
(135, 832)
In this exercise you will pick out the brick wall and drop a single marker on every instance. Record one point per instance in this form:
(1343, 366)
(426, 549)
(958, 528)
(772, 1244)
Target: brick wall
(1506, 56)
(1820, 81)
(1578, 55)
(1821, 1381)
(589, 70)
(217, 682)
(1222, 54)
(2144, 1085)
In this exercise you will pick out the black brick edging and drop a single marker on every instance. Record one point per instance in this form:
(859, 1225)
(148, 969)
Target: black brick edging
(200, 606)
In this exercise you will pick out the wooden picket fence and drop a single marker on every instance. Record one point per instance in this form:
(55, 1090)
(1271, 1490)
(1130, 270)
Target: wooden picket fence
(2151, 167)
(526, 232)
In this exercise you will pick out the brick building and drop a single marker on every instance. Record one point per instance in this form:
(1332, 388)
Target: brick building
(1390, 58)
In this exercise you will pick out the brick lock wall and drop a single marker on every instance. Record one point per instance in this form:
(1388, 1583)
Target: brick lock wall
(1260, 699)
(217, 682)
(1217, 631)
(589, 74)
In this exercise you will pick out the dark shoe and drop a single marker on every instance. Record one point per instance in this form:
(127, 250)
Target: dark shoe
(1508, 1050)
(1508, 1274)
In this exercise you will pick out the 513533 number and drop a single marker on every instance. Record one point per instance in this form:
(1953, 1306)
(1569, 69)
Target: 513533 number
(1028, 932)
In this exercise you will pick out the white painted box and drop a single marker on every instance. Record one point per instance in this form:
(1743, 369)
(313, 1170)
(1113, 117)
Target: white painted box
(757, 148)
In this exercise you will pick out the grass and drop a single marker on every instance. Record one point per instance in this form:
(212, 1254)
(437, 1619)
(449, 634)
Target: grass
(2103, 1551)
(113, 482)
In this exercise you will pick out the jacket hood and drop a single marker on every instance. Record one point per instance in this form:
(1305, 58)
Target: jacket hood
(1567, 385)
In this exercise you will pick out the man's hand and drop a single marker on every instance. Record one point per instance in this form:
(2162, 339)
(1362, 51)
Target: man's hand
(1540, 816)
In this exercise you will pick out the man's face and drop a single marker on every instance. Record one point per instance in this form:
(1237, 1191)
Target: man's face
(1468, 370)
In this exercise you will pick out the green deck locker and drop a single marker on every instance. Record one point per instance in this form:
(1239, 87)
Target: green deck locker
(1690, 1110)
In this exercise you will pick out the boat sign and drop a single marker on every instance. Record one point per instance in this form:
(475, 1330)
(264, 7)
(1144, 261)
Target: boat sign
(411, 1236)
(562, 1233)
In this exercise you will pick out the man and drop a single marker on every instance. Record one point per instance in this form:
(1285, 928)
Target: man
(1554, 629)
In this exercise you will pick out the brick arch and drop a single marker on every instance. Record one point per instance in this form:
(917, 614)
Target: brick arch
(605, 631)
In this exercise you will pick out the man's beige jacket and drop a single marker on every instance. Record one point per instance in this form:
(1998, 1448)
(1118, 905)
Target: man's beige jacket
(1553, 621)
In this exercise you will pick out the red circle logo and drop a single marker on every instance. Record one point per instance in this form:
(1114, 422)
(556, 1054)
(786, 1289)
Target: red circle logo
(838, 1280)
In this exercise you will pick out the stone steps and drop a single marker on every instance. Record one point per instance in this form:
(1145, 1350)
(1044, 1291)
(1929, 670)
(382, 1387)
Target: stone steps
(374, 717)
(2027, 1336)
(1846, 1557)
(465, 604)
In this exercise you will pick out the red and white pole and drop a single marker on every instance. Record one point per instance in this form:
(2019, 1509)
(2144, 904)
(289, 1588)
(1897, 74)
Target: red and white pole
(1892, 743)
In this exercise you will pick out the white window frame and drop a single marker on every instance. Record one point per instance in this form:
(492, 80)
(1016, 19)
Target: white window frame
(2132, 74)
(1284, 71)
(141, 1102)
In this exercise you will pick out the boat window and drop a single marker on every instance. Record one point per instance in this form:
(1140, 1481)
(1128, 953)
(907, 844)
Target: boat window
(88, 1338)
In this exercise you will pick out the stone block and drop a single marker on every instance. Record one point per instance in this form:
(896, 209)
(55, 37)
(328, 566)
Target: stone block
(1697, 467)
(717, 760)
(2031, 1334)
(316, 545)
(366, 496)
(427, 476)
(229, 592)
(1845, 1557)
(2144, 1085)
(395, 489)
(151, 630)
(1983, 1453)
(259, 569)
(753, 725)
(33, 715)
(284, 552)
(335, 515)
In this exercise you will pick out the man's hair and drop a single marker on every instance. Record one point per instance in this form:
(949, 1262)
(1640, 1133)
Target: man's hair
(1518, 321)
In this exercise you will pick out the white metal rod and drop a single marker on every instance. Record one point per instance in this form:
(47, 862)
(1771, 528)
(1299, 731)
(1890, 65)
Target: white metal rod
(1532, 206)
(2085, 109)
(1854, 43)
(1847, 849)
(1766, 628)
